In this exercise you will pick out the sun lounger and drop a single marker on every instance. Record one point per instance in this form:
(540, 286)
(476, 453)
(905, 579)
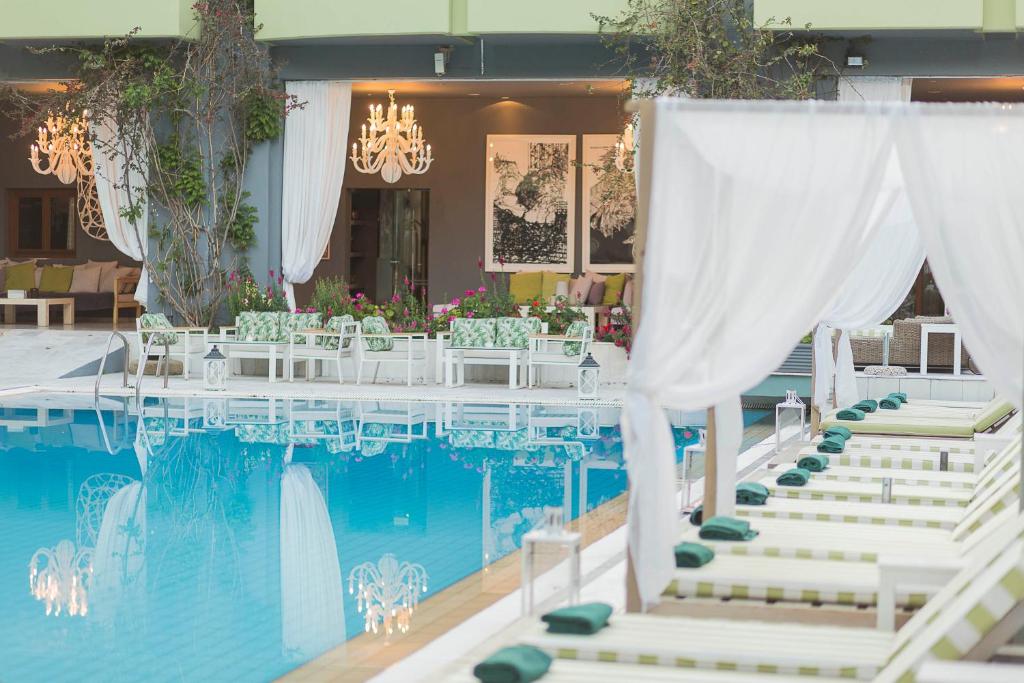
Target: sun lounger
(892, 422)
(976, 610)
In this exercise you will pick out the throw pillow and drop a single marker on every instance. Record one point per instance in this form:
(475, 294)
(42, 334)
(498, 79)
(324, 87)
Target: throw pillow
(56, 279)
(119, 273)
(21, 275)
(580, 290)
(549, 283)
(108, 270)
(613, 287)
(525, 287)
(627, 293)
(596, 295)
(86, 278)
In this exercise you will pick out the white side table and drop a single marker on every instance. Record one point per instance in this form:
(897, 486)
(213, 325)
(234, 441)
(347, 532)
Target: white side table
(940, 328)
(568, 539)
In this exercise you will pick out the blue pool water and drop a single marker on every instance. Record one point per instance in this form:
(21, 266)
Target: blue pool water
(214, 540)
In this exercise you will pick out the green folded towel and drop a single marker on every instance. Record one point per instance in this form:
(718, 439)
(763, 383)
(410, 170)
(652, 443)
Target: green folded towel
(516, 664)
(890, 403)
(838, 430)
(794, 477)
(751, 493)
(902, 396)
(832, 444)
(850, 414)
(813, 463)
(692, 555)
(867, 405)
(579, 619)
(722, 528)
(697, 515)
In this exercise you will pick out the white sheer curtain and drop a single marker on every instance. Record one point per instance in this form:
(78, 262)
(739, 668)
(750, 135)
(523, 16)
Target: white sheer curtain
(964, 170)
(315, 140)
(110, 153)
(886, 270)
(312, 610)
(752, 214)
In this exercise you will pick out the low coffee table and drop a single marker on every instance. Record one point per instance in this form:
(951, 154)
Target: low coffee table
(42, 309)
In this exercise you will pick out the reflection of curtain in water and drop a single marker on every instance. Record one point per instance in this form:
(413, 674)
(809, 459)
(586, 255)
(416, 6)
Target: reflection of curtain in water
(312, 611)
(118, 561)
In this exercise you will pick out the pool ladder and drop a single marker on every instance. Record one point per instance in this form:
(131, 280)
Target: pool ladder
(140, 372)
(103, 362)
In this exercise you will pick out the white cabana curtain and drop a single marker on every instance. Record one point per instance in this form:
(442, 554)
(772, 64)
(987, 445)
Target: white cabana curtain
(315, 139)
(740, 263)
(886, 270)
(312, 610)
(119, 558)
(964, 169)
(765, 202)
(110, 153)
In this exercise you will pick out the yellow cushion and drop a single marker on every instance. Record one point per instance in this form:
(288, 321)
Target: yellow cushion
(21, 276)
(613, 288)
(56, 279)
(550, 282)
(525, 287)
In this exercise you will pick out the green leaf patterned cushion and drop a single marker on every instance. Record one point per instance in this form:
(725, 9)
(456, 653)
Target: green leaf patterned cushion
(335, 325)
(260, 326)
(575, 331)
(473, 333)
(374, 324)
(157, 321)
(295, 322)
(514, 333)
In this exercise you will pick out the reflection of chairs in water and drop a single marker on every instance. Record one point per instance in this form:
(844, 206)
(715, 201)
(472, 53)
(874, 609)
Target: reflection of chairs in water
(173, 416)
(332, 422)
(384, 422)
(496, 417)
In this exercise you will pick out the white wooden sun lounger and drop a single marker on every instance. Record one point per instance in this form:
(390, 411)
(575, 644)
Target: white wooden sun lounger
(568, 671)
(978, 610)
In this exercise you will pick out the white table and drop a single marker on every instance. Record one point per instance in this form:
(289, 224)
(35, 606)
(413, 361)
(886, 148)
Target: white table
(273, 349)
(455, 363)
(42, 306)
(940, 328)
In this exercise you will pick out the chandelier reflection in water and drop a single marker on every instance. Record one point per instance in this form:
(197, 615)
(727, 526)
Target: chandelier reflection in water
(60, 578)
(63, 140)
(394, 144)
(387, 593)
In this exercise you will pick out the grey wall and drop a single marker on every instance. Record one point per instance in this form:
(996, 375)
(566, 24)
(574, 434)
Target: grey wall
(457, 128)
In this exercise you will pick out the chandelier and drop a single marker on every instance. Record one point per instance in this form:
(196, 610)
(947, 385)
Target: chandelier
(394, 145)
(624, 150)
(63, 140)
(60, 577)
(387, 593)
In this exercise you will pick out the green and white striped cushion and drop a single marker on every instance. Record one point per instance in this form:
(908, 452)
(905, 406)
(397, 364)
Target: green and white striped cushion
(856, 492)
(927, 461)
(473, 333)
(926, 517)
(726, 645)
(951, 480)
(959, 617)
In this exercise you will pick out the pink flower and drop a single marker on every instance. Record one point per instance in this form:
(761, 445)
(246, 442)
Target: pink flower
(233, 276)
(271, 273)
(280, 280)
(470, 314)
(451, 318)
(482, 289)
(394, 299)
(480, 263)
(310, 309)
(456, 302)
(359, 307)
(501, 261)
(405, 312)
(469, 292)
(405, 279)
(298, 310)
(359, 295)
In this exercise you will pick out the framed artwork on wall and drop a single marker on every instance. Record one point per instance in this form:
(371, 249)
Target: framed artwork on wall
(530, 202)
(609, 206)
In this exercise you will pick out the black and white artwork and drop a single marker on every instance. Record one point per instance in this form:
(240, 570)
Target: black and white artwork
(609, 201)
(530, 202)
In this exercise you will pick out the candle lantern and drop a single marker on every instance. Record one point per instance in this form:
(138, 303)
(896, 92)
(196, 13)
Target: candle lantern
(215, 370)
(588, 377)
(789, 414)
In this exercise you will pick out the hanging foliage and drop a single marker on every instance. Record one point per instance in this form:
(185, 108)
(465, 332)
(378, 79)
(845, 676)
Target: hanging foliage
(188, 114)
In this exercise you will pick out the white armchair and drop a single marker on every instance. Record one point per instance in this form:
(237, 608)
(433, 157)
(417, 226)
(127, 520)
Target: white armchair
(336, 341)
(566, 350)
(377, 344)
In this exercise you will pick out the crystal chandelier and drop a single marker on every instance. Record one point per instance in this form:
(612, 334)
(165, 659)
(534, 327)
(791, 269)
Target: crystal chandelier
(624, 150)
(394, 145)
(387, 593)
(63, 140)
(60, 577)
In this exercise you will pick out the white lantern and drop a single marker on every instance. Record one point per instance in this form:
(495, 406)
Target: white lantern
(588, 376)
(788, 414)
(588, 425)
(215, 413)
(215, 370)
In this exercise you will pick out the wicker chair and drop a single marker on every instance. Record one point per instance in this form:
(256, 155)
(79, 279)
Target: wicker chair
(905, 348)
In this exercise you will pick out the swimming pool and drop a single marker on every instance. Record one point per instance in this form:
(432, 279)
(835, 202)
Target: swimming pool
(217, 539)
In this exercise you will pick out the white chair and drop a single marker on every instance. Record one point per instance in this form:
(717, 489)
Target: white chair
(168, 340)
(377, 344)
(335, 342)
(566, 350)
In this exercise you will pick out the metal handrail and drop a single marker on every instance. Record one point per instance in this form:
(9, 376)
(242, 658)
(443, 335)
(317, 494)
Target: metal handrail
(140, 372)
(103, 362)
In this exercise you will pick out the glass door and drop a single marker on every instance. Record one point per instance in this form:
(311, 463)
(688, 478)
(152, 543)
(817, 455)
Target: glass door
(402, 240)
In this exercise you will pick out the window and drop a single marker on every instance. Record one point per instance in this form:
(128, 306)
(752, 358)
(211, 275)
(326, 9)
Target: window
(41, 222)
(924, 298)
